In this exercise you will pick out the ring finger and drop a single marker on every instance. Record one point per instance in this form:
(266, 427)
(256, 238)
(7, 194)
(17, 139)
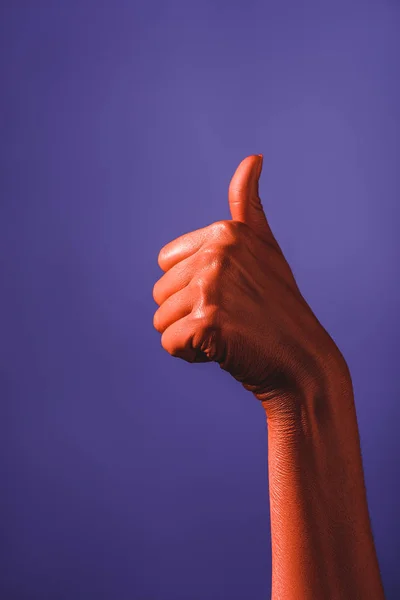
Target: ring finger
(177, 278)
(176, 307)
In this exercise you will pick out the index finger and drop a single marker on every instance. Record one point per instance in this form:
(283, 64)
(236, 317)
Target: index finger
(181, 248)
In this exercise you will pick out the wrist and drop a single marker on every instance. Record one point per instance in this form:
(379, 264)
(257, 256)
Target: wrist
(319, 383)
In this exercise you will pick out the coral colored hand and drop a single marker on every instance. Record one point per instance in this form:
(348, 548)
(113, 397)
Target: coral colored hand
(228, 295)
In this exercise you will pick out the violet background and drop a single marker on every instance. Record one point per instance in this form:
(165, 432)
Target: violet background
(127, 474)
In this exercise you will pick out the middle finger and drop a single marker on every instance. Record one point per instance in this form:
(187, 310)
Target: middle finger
(178, 277)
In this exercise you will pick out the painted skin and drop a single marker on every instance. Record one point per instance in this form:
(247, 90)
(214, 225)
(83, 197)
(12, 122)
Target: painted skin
(228, 295)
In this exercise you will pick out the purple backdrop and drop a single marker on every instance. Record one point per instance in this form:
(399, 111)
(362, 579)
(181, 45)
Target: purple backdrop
(127, 474)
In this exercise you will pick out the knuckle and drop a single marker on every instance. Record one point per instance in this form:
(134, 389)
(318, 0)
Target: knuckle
(206, 314)
(203, 296)
(201, 283)
(211, 248)
(211, 252)
(211, 319)
(216, 255)
(222, 229)
(220, 264)
(229, 233)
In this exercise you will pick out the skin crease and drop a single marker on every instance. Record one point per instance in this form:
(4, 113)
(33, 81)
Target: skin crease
(228, 295)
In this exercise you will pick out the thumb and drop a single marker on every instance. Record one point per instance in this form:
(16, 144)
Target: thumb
(244, 201)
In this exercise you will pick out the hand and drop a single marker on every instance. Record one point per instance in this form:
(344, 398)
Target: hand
(228, 295)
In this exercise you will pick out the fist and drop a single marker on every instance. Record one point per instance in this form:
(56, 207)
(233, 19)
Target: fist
(228, 295)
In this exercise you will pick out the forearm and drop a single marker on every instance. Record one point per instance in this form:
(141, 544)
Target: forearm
(322, 544)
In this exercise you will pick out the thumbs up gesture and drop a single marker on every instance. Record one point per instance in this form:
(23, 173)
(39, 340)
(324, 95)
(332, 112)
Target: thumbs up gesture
(228, 295)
